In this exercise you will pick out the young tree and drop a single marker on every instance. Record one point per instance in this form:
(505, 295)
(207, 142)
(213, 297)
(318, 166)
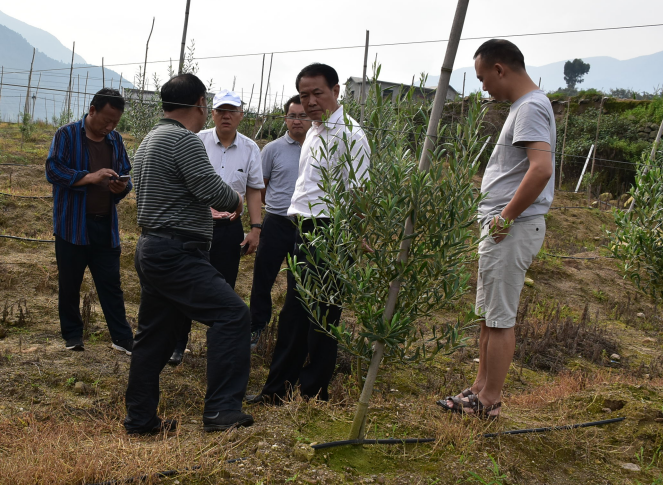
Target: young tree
(574, 71)
(367, 229)
(638, 240)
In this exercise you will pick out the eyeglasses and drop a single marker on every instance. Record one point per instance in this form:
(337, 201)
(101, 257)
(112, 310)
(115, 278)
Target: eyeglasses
(301, 116)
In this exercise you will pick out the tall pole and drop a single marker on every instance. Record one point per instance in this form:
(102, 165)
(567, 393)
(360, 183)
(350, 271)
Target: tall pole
(262, 73)
(561, 161)
(34, 99)
(85, 91)
(147, 44)
(71, 86)
(359, 423)
(2, 78)
(363, 82)
(26, 110)
(269, 77)
(596, 148)
(186, 23)
(462, 97)
(78, 96)
(119, 87)
(103, 74)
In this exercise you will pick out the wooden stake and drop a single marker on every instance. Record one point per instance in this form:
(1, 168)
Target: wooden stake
(147, 44)
(103, 74)
(359, 423)
(71, 86)
(26, 109)
(566, 124)
(462, 98)
(78, 95)
(539, 83)
(262, 73)
(269, 77)
(186, 23)
(363, 82)
(251, 98)
(234, 79)
(87, 73)
(34, 100)
(2, 78)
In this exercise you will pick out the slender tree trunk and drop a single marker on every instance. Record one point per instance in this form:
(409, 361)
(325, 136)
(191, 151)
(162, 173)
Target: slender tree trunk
(362, 98)
(147, 45)
(359, 422)
(186, 23)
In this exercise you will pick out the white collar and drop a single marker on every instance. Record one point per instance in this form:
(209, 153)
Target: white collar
(218, 142)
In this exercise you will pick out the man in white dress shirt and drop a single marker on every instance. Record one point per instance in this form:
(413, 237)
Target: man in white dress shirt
(299, 336)
(236, 158)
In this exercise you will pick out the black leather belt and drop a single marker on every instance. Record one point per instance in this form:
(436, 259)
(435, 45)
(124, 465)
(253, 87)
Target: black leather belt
(187, 242)
(227, 222)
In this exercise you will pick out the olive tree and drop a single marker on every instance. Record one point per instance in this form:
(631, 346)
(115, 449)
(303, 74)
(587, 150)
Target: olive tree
(361, 246)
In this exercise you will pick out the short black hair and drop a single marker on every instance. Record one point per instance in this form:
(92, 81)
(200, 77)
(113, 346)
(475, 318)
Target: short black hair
(317, 69)
(501, 51)
(108, 96)
(295, 99)
(182, 91)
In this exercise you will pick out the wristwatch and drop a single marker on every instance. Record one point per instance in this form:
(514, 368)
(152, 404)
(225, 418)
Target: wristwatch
(259, 226)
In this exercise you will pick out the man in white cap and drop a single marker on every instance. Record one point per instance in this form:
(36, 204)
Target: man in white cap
(236, 158)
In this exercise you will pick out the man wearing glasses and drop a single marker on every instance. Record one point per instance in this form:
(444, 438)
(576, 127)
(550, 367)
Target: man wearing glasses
(280, 167)
(236, 158)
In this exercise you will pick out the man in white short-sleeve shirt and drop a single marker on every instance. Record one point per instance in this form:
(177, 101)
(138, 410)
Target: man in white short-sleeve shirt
(519, 188)
(299, 337)
(236, 158)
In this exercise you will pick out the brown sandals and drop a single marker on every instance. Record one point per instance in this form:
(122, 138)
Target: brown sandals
(461, 406)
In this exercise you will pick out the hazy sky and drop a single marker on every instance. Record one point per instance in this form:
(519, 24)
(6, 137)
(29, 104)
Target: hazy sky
(118, 31)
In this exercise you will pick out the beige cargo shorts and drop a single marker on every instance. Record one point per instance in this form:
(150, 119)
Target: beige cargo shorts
(502, 269)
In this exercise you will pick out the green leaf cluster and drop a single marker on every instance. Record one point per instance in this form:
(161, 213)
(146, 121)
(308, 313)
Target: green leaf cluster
(440, 203)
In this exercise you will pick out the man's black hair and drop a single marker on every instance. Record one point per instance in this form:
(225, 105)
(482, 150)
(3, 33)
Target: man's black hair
(182, 91)
(501, 51)
(295, 99)
(108, 96)
(317, 69)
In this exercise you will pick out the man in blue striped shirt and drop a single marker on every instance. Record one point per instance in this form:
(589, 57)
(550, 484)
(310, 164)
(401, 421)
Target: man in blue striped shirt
(89, 169)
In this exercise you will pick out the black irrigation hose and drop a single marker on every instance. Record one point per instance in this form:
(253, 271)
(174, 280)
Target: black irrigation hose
(27, 196)
(394, 441)
(28, 239)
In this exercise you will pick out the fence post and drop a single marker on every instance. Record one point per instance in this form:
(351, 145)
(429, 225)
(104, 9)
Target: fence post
(71, 85)
(26, 109)
(34, 99)
(262, 74)
(566, 124)
(596, 144)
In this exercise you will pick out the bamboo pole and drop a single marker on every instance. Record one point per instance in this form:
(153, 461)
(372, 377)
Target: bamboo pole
(251, 98)
(566, 124)
(147, 44)
(87, 73)
(26, 109)
(119, 87)
(652, 157)
(34, 99)
(71, 85)
(363, 82)
(269, 77)
(186, 23)
(78, 95)
(359, 422)
(262, 73)
(2, 78)
(462, 98)
(596, 147)
(103, 74)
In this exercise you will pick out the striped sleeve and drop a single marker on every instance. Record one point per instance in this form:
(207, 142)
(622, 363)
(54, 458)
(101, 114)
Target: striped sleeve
(59, 170)
(199, 175)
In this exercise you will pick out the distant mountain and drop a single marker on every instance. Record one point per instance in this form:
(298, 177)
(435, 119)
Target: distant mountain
(15, 58)
(42, 40)
(644, 73)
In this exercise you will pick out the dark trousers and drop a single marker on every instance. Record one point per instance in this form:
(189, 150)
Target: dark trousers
(224, 256)
(299, 336)
(104, 263)
(178, 285)
(277, 240)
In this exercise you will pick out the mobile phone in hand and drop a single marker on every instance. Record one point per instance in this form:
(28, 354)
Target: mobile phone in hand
(244, 249)
(121, 178)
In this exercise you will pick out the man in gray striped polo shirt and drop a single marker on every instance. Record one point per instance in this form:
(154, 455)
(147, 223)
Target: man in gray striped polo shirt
(280, 167)
(175, 187)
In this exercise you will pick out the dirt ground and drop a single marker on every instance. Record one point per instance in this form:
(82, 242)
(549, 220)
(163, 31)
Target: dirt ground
(579, 312)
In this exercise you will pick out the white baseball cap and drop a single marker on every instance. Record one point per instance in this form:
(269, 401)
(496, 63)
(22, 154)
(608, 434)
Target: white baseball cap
(226, 97)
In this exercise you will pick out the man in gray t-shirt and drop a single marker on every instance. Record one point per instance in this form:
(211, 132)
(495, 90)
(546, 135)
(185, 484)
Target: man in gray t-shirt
(280, 168)
(518, 190)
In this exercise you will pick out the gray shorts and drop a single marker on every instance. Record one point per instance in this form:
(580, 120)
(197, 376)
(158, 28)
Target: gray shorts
(502, 269)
